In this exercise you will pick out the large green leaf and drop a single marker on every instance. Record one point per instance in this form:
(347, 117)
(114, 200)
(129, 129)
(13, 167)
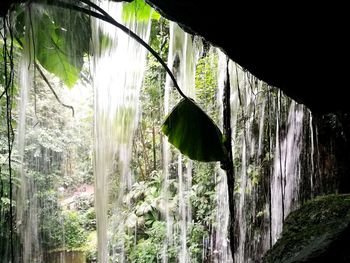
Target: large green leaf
(140, 10)
(54, 51)
(193, 132)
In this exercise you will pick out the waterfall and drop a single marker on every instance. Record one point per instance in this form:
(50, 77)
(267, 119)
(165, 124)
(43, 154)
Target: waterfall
(254, 107)
(272, 140)
(27, 203)
(118, 75)
(267, 132)
(182, 57)
(286, 175)
(221, 246)
(45, 153)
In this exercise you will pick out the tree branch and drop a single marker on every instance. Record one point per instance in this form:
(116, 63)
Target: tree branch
(103, 15)
(52, 89)
(47, 82)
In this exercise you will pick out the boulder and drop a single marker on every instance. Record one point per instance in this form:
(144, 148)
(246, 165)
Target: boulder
(319, 231)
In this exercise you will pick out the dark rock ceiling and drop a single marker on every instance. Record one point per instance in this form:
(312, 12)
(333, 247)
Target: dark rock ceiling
(304, 50)
(301, 48)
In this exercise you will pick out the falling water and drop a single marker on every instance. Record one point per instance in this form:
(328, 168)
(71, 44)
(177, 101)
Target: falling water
(39, 207)
(186, 75)
(27, 204)
(182, 57)
(286, 175)
(118, 75)
(254, 106)
(166, 150)
(267, 145)
(221, 247)
(312, 156)
(43, 147)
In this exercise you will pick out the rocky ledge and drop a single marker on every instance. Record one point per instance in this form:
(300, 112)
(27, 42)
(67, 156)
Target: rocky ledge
(319, 232)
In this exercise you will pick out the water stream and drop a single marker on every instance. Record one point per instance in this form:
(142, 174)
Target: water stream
(268, 140)
(118, 75)
(182, 56)
(27, 215)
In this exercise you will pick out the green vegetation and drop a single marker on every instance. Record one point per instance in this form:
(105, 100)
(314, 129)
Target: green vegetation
(41, 195)
(57, 163)
(140, 10)
(57, 151)
(59, 41)
(145, 203)
(193, 132)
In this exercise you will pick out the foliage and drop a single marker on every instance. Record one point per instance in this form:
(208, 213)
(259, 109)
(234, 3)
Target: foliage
(192, 131)
(59, 39)
(150, 245)
(203, 201)
(146, 206)
(62, 230)
(145, 201)
(90, 219)
(197, 236)
(91, 247)
(74, 233)
(140, 10)
(52, 162)
(7, 122)
(84, 205)
(203, 193)
(206, 83)
(58, 148)
(51, 49)
(147, 142)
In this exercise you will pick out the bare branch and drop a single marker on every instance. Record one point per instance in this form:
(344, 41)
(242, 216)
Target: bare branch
(52, 89)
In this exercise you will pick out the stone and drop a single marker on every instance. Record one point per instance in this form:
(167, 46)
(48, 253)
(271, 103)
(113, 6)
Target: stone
(296, 47)
(319, 231)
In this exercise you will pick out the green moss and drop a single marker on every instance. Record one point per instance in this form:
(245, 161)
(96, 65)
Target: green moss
(311, 229)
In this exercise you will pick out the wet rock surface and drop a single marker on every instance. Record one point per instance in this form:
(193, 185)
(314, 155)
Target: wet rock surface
(294, 47)
(319, 232)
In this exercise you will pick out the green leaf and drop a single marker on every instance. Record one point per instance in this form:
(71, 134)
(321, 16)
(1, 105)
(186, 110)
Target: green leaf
(54, 51)
(194, 133)
(140, 10)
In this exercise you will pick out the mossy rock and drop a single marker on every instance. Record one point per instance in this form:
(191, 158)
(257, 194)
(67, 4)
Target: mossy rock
(319, 232)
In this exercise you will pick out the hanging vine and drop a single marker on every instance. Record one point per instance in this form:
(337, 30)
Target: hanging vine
(7, 95)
